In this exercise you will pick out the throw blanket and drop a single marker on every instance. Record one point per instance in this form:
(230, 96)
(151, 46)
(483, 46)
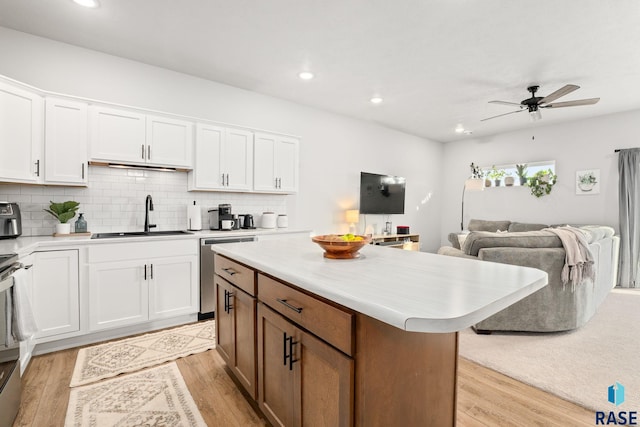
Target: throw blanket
(21, 324)
(578, 264)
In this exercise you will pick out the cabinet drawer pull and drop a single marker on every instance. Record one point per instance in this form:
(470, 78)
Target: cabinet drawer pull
(286, 304)
(148, 152)
(37, 167)
(288, 354)
(229, 271)
(82, 170)
(227, 180)
(142, 151)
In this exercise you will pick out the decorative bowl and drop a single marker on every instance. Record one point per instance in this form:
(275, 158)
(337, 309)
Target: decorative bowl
(337, 248)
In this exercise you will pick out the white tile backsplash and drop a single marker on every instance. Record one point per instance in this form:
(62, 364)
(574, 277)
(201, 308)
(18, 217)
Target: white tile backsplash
(114, 201)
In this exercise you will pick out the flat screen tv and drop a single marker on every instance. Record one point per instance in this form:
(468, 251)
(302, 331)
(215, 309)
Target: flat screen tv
(381, 194)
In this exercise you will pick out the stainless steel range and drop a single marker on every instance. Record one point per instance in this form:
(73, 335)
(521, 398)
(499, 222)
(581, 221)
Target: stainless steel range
(9, 351)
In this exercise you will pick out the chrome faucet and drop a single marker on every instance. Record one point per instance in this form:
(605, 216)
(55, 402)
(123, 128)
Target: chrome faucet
(148, 206)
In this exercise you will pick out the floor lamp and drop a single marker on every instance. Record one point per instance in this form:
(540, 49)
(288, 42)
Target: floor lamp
(471, 184)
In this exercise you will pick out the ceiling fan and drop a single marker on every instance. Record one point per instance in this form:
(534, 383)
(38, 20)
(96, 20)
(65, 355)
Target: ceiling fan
(534, 103)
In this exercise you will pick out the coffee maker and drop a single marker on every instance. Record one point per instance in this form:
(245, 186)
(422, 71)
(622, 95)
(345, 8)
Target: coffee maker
(224, 212)
(10, 220)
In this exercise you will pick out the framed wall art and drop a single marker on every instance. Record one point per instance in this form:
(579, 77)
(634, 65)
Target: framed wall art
(588, 182)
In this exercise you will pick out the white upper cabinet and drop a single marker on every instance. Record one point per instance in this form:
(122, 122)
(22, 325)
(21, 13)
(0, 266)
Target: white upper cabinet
(169, 142)
(275, 163)
(223, 159)
(119, 135)
(66, 141)
(21, 134)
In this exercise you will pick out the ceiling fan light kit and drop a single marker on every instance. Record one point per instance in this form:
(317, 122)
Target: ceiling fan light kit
(534, 103)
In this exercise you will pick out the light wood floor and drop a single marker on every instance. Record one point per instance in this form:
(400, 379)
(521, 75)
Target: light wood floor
(485, 397)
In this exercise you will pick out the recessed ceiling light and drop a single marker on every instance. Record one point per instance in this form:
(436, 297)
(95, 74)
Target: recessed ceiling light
(87, 3)
(306, 75)
(459, 128)
(376, 100)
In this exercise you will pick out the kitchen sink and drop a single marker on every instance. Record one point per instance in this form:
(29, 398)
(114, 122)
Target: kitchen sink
(139, 234)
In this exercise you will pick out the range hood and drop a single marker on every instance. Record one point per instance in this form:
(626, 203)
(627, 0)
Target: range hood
(139, 167)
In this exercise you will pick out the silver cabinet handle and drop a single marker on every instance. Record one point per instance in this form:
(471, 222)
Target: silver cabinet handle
(145, 272)
(83, 171)
(151, 271)
(142, 151)
(37, 167)
(148, 152)
(223, 180)
(227, 180)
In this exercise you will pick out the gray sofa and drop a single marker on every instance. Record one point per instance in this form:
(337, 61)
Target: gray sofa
(555, 307)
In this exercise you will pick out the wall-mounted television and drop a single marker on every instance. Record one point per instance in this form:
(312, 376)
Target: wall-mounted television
(381, 194)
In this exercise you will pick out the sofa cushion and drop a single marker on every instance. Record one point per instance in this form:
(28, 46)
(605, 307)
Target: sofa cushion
(482, 225)
(525, 226)
(528, 239)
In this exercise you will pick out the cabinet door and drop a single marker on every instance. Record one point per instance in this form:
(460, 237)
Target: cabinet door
(55, 297)
(325, 377)
(21, 134)
(65, 146)
(207, 171)
(276, 381)
(118, 294)
(287, 164)
(238, 159)
(117, 135)
(264, 166)
(169, 142)
(224, 321)
(173, 286)
(243, 307)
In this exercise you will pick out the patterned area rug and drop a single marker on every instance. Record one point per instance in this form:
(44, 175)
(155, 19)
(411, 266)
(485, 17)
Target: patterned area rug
(153, 397)
(131, 354)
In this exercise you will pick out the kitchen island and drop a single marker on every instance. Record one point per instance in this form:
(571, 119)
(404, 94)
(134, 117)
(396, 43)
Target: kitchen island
(368, 341)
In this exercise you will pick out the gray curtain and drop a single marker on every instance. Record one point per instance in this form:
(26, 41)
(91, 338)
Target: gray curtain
(629, 199)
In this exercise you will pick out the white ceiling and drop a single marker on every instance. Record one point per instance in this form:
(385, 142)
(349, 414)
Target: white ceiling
(436, 63)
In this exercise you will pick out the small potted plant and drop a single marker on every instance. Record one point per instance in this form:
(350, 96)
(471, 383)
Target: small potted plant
(496, 175)
(63, 212)
(542, 182)
(521, 171)
(508, 179)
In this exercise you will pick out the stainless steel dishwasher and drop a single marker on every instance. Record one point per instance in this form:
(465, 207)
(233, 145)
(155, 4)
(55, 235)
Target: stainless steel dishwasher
(207, 270)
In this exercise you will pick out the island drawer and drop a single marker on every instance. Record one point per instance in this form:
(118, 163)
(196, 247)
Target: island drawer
(237, 274)
(328, 322)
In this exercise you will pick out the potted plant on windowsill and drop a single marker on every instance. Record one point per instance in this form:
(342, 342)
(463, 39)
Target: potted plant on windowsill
(521, 171)
(63, 212)
(496, 175)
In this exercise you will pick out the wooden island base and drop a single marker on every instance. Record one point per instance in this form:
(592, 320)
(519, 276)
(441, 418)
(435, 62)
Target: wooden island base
(404, 378)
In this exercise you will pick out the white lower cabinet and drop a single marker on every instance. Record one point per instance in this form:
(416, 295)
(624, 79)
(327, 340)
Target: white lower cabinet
(133, 283)
(173, 287)
(55, 292)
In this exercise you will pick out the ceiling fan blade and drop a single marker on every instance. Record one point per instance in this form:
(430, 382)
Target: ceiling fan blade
(506, 103)
(572, 103)
(566, 89)
(505, 114)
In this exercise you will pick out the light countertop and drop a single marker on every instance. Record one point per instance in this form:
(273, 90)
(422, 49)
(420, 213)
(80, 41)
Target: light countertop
(25, 245)
(414, 291)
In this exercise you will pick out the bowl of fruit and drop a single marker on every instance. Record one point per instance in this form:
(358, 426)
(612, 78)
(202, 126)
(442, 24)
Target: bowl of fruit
(341, 246)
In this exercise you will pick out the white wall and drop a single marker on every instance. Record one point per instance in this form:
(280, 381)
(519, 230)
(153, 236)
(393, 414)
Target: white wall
(333, 151)
(579, 145)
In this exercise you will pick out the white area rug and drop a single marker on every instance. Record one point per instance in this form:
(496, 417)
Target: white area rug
(153, 397)
(131, 354)
(578, 366)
